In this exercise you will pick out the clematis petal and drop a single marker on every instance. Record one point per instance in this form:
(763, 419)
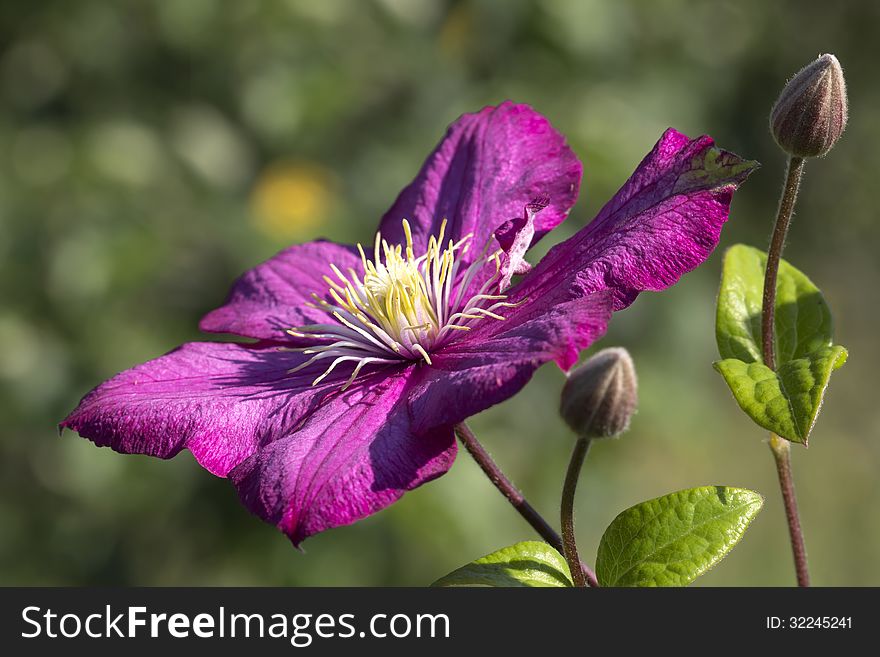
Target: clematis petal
(493, 362)
(486, 168)
(354, 456)
(272, 297)
(664, 222)
(222, 401)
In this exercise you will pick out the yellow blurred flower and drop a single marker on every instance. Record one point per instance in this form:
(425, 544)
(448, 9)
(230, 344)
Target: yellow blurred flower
(291, 199)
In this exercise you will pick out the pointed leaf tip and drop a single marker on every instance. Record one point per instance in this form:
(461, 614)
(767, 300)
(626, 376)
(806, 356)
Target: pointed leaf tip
(786, 402)
(673, 539)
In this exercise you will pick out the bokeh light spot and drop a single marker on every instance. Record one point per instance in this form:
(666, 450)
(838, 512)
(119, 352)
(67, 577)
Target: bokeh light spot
(291, 199)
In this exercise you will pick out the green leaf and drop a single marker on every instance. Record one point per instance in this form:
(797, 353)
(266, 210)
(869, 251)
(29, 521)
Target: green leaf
(802, 318)
(672, 540)
(787, 401)
(531, 563)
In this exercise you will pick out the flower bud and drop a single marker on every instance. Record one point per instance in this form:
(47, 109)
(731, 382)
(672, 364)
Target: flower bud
(601, 395)
(810, 114)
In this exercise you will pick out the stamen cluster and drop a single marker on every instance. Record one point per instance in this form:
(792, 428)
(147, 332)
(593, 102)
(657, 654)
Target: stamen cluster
(402, 307)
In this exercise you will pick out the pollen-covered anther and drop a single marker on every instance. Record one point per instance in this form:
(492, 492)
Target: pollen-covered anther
(402, 307)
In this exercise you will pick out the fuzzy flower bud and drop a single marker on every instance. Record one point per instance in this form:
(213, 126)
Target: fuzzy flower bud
(601, 395)
(811, 112)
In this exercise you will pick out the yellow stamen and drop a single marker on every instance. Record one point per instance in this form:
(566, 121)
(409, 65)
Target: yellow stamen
(401, 306)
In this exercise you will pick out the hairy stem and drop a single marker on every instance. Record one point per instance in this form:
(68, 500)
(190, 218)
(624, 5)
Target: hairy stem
(780, 447)
(516, 499)
(581, 447)
(777, 243)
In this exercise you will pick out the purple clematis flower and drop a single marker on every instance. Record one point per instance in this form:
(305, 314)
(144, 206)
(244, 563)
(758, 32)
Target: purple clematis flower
(366, 358)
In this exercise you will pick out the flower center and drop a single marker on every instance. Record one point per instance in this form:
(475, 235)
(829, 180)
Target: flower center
(402, 308)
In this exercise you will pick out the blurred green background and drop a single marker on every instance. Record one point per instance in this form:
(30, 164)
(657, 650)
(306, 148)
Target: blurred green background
(152, 151)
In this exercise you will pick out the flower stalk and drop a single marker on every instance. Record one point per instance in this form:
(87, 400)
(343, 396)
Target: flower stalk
(777, 243)
(517, 500)
(779, 446)
(807, 120)
(569, 544)
(781, 449)
(597, 401)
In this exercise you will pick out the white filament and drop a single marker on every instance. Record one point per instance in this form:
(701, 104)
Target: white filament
(403, 308)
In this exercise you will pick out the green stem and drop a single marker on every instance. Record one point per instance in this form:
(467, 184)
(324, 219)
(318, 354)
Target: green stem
(779, 446)
(512, 494)
(569, 543)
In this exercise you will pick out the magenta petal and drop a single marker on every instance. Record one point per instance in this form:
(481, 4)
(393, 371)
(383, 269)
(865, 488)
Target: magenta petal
(494, 362)
(663, 222)
(354, 456)
(222, 401)
(271, 297)
(486, 168)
